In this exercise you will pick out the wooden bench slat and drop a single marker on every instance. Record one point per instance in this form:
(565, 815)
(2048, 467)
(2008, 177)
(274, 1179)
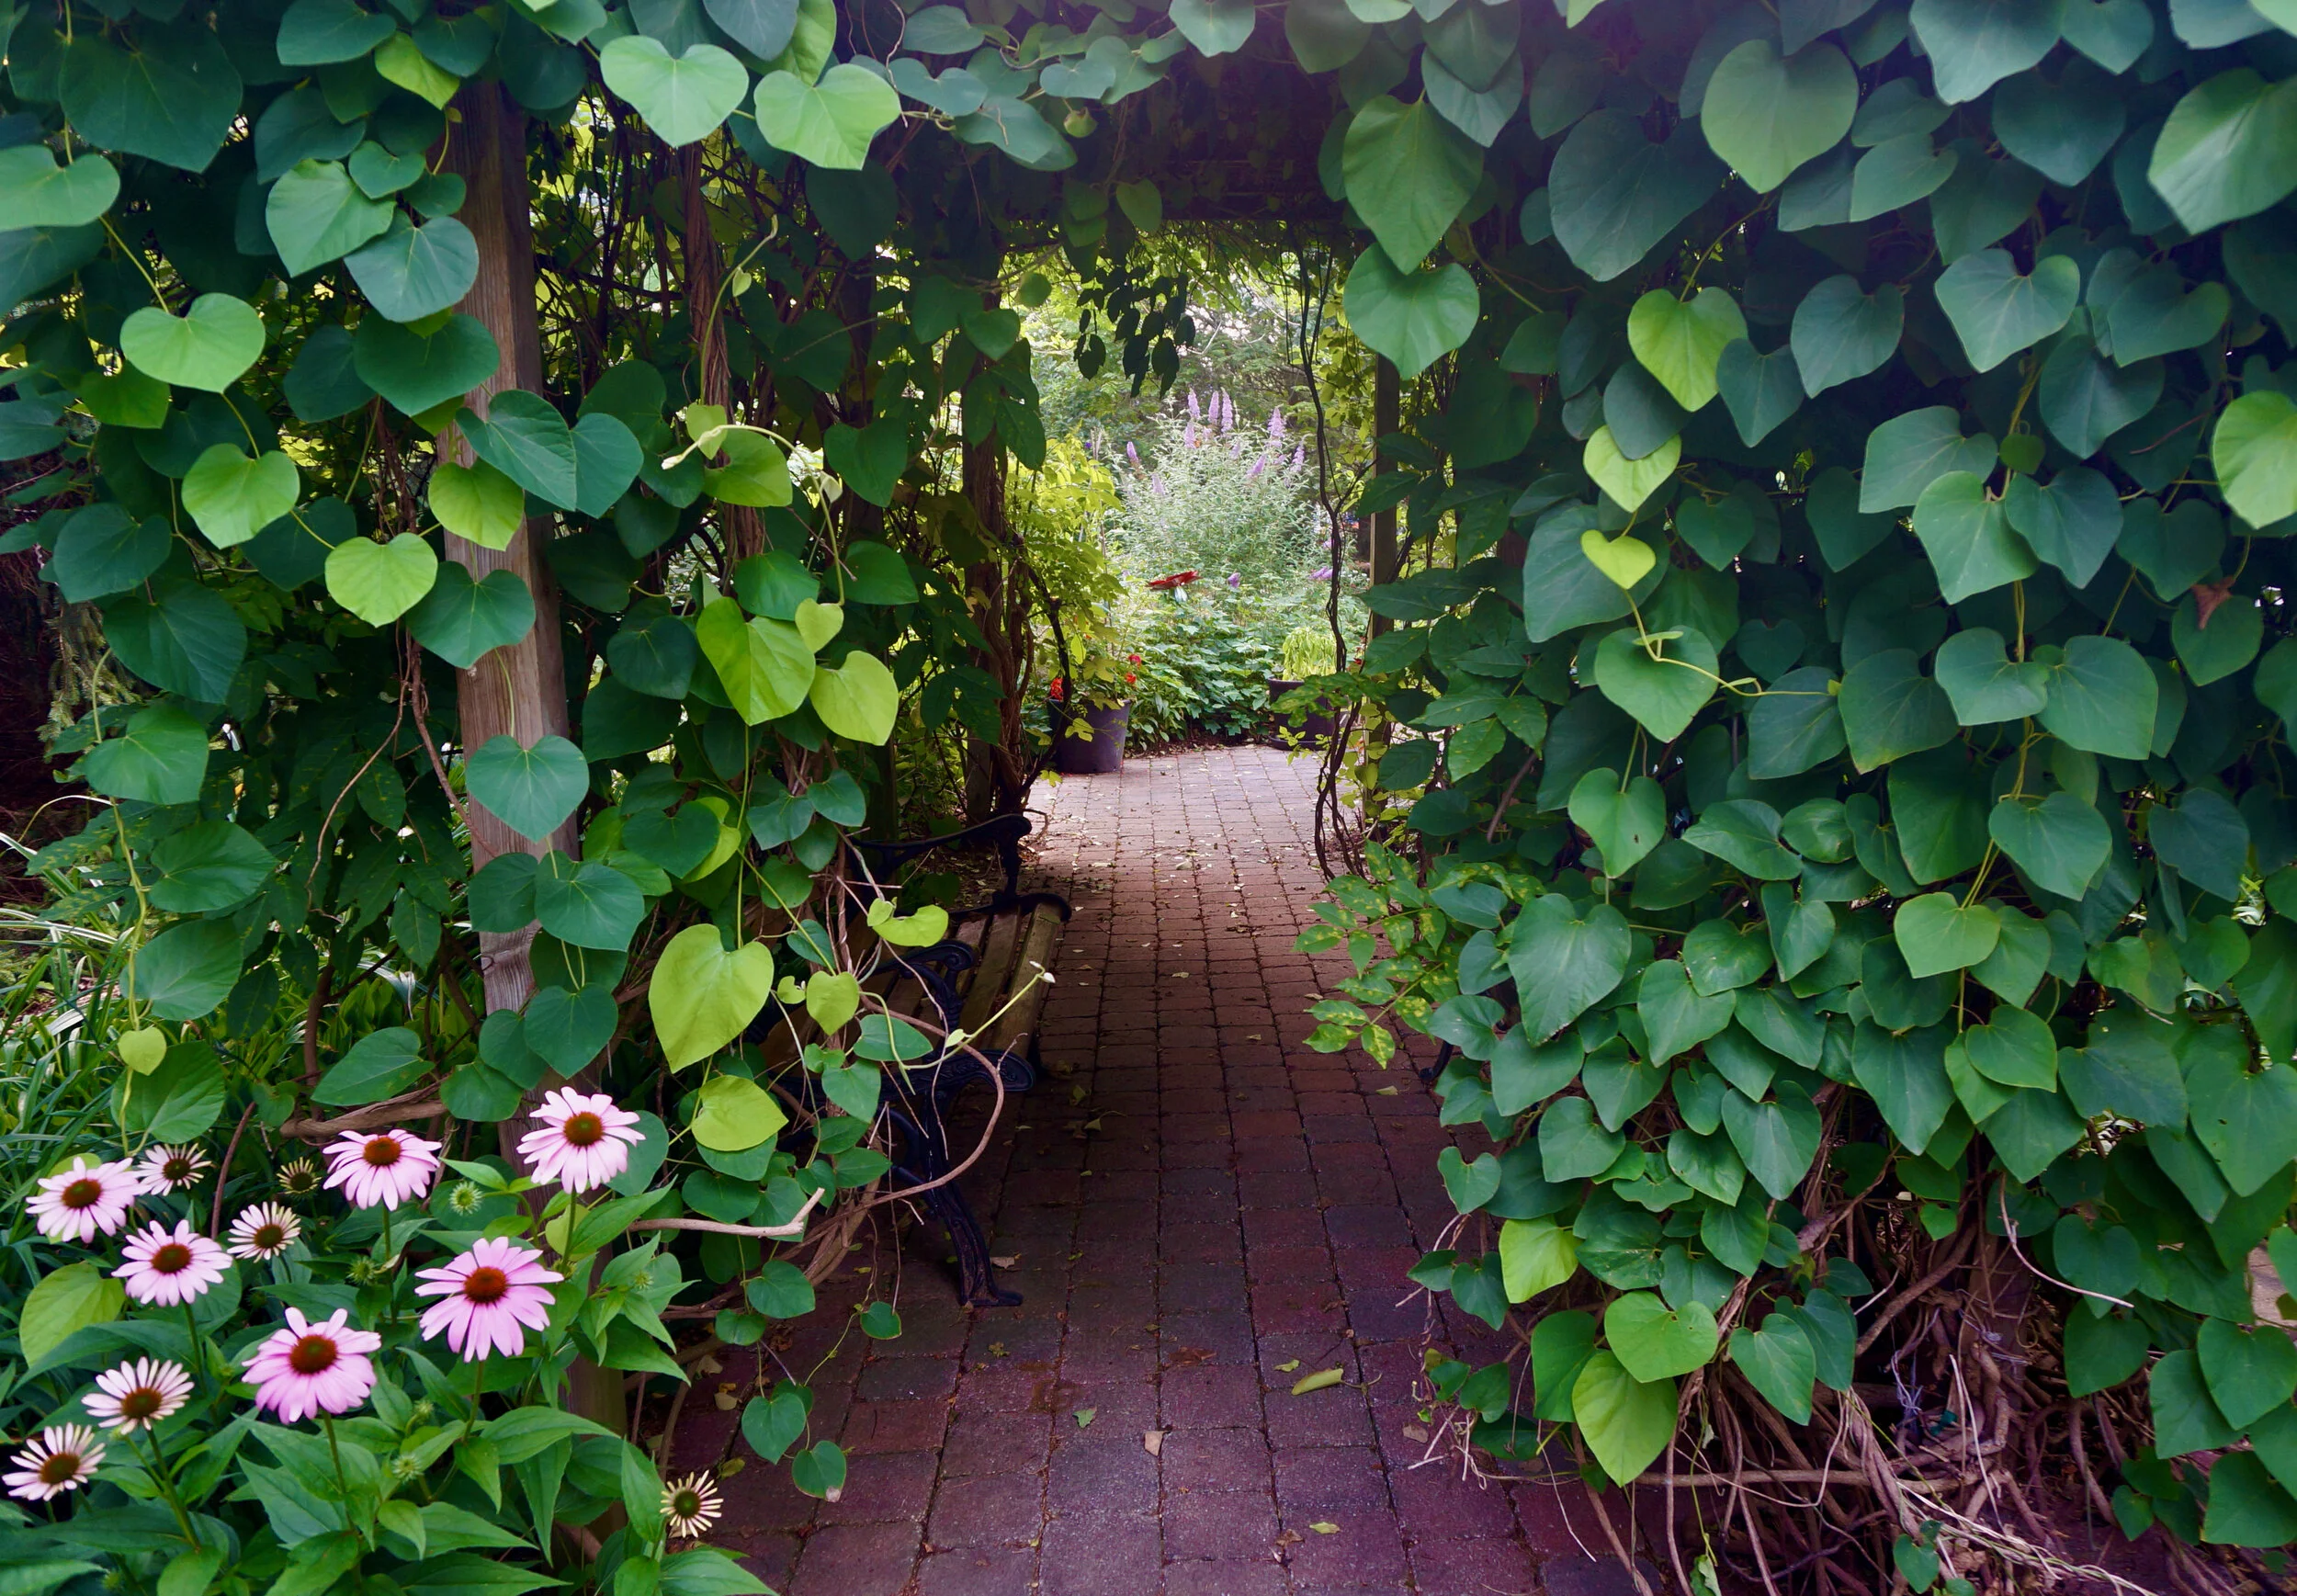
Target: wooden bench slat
(1035, 954)
(989, 969)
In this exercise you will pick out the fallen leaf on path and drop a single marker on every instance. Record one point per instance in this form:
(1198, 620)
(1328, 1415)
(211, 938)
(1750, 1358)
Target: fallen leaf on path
(1007, 1261)
(1325, 1527)
(1322, 1380)
(1189, 1357)
(1287, 1365)
(1152, 1443)
(1084, 1416)
(1290, 1538)
(1414, 1433)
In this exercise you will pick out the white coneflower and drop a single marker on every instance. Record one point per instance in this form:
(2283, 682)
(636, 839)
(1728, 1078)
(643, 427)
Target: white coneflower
(63, 1458)
(690, 1506)
(139, 1395)
(297, 1178)
(263, 1232)
(171, 1169)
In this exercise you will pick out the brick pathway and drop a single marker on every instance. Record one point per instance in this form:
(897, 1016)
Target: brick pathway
(1200, 1210)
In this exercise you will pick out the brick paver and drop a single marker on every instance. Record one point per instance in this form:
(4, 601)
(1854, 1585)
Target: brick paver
(1199, 1210)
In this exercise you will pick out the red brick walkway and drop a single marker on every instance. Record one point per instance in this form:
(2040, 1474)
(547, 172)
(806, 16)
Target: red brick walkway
(1200, 1210)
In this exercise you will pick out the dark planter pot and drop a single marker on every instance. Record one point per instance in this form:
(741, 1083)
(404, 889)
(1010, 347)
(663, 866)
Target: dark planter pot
(1319, 725)
(1104, 753)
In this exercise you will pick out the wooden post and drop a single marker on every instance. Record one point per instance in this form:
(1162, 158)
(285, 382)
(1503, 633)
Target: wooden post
(519, 688)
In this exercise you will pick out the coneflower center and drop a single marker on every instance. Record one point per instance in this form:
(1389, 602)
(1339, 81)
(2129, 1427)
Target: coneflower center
(312, 1355)
(176, 1170)
(60, 1468)
(685, 1504)
(485, 1285)
(171, 1259)
(140, 1403)
(84, 1193)
(270, 1237)
(381, 1151)
(583, 1129)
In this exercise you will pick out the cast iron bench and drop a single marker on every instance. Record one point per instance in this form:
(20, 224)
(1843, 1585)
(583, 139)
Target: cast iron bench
(983, 980)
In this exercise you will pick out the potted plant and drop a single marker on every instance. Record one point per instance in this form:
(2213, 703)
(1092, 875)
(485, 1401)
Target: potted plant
(1306, 652)
(1092, 708)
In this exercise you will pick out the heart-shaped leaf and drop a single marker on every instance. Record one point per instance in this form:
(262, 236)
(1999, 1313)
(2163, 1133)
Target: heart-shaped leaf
(208, 348)
(461, 620)
(829, 123)
(1936, 934)
(1413, 317)
(414, 272)
(702, 996)
(818, 623)
(679, 842)
(1718, 532)
(1627, 561)
(36, 192)
(1759, 391)
(477, 504)
(233, 497)
(2015, 1048)
(1681, 342)
(1624, 823)
(531, 790)
(1998, 311)
(1535, 1255)
(1967, 535)
(2060, 843)
(1628, 482)
(1776, 1140)
(2246, 1117)
(1676, 1018)
(2251, 1369)
(1663, 685)
(380, 582)
(2254, 448)
(732, 1115)
(833, 998)
(1469, 1185)
(1407, 173)
(568, 1028)
(763, 665)
(524, 438)
(1214, 27)
(1766, 116)
(1628, 1422)
(316, 214)
(1985, 683)
(1563, 960)
(683, 99)
(1777, 1361)
(858, 699)
(1653, 1342)
(1841, 332)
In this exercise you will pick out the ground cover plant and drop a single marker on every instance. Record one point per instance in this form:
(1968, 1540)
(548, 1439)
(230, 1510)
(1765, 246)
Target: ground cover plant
(1846, 498)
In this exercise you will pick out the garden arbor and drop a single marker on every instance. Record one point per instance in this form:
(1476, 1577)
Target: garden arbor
(1845, 495)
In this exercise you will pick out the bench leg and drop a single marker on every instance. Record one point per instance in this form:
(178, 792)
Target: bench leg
(977, 1278)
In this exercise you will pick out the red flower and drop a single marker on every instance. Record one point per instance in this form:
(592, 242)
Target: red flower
(1132, 659)
(1178, 579)
(1055, 690)
(1130, 678)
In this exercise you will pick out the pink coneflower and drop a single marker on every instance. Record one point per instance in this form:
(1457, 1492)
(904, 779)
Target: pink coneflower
(314, 1368)
(167, 1267)
(63, 1459)
(171, 1169)
(139, 1395)
(383, 1168)
(579, 1142)
(689, 1505)
(73, 1204)
(490, 1291)
(263, 1232)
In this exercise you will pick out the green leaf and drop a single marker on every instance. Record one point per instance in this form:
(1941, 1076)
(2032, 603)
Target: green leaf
(1653, 1342)
(2213, 649)
(398, 61)
(2061, 129)
(1663, 694)
(702, 996)
(1840, 332)
(1967, 535)
(829, 123)
(1998, 311)
(2250, 1369)
(1890, 709)
(1214, 27)
(1572, 1145)
(1765, 115)
(184, 972)
(870, 459)
(531, 790)
(162, 758)
(819, 1470)
(1907, 453)
(587, 905)
(2159, 313)
(2060, 842)
(1682, 342)
(36, 192)
(64, 1301)
(170, 96)
(1407, 173)
(321, 32)
(419, 372)
(1779, 1362)
(685, 98)
(233, 497)
(2086, 398)
(1676, 1017)
(316, 214)
(1776, 1140)
(857, 700)
(2186, 1418)
(1936, 934)
(209, 347)
(2247, 1507)
(477, 502)
(1985, 685)
(102, 550)
(2072, 524)
(1974, 44)
(762, 664)
(380, 582)
(2204, 838)
(2247, 1117)
(731, 1114)
(2255, 451)
(2102, 1352)
(1906, 1077)
(1626, 1423)
(184, 638)
(1415, 319)
(2102, 698)
(207, 866)
(1794, 725)
(1759, 391)
(1613, 194)
(2113, 33)
(1893, 174)
(414, 272)
(379, 1065)
(461, 620)
(1535, 1255)
(1628, 482)
(1624, 823)
(1564, 960)
(1744, 833)
(567, 1029)
(2229, 150)
(524, 438)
